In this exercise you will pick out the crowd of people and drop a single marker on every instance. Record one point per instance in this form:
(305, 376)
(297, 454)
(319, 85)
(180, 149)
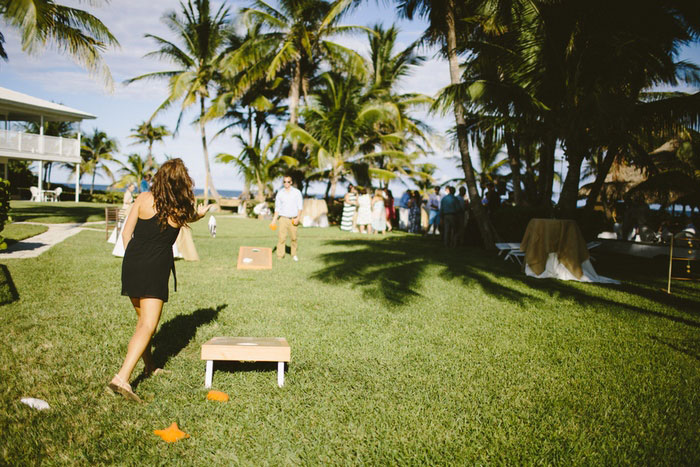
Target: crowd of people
(370, 212)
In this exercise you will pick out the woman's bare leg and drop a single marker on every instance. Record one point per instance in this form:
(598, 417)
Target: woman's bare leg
(148, 311)
(147, 357)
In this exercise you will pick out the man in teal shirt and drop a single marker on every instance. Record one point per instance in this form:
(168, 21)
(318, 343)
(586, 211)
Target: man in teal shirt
(450, 207)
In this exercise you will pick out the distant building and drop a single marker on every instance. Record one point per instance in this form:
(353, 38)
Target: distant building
(15, 106)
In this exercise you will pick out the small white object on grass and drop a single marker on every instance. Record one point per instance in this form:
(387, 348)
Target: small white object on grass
(247, 260)
(35, 403)
(212, 226)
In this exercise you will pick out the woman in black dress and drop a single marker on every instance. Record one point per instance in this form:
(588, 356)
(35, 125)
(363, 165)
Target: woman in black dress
(148, 235)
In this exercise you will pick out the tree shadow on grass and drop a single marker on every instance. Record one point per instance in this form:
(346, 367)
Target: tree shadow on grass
(690, 347)
(174, 335)
(391, 269)
(8, 290)
(593, 295)
(55, 213)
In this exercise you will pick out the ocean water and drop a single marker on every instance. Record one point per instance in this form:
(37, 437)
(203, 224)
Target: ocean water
(197, 191)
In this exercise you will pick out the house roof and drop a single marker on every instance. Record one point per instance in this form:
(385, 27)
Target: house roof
(16, 106)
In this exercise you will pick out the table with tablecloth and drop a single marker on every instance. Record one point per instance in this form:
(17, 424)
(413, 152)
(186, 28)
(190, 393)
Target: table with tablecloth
(314, 213)
(556, 248)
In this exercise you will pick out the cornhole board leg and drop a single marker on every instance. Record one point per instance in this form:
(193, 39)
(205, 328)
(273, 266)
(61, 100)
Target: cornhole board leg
(246, 349)
(280, 374)
(209, 374)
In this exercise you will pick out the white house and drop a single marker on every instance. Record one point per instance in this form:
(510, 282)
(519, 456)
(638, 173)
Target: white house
(15, 106)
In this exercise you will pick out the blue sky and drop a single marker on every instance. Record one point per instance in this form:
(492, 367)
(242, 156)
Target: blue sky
(55, 77)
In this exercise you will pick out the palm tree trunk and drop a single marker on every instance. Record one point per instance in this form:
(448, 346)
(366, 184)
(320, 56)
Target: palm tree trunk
(260, 195)
(514, 162)
(208, 182)
(294, 97)
(569, 192)
(92, 187)
(530, 193)
(334, 185)
(546, 179)
(328, 189)
(149, 160)
(603, 170)
(250, 128)
(488, 235)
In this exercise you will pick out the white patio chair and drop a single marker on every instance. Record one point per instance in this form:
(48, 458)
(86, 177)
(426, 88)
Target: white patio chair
(512, 251)
(57, 194)
(506, 247)
(515, 254)
(35, 193)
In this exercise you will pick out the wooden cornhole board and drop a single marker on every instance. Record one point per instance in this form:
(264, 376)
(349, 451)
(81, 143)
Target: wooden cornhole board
(246, 349)
(253, 257)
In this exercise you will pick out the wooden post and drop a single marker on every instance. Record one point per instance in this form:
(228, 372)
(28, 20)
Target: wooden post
(670, 266)
(41, 185)
(77, 171)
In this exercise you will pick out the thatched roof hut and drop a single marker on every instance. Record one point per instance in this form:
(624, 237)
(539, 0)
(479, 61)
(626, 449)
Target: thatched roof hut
(665, 187)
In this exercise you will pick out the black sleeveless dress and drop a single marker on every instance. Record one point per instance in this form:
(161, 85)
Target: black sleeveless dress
(148, 260)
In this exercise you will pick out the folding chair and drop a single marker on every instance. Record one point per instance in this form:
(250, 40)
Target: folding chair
(111, 218)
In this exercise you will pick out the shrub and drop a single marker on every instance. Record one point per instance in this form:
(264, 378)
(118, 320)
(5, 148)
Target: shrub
(335, 211)
(4, 208)
(511, 221)
(110, 197)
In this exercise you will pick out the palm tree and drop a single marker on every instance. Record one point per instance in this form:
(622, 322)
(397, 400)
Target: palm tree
(197, 61)
(146, 133)
(423, 176)
(403, 134)
(560, 54)
(73, 31)
(490, 149)
(256, 113)
(134, 171)
(257, 166)
(443, 16)
(297, 37)
(338, 122)
(96, 150)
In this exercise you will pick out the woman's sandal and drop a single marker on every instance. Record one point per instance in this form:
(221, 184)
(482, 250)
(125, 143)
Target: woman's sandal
(120, 386)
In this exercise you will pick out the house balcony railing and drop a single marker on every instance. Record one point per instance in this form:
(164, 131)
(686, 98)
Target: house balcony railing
(39, 147)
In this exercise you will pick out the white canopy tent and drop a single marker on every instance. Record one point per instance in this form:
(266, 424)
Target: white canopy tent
(15, 106)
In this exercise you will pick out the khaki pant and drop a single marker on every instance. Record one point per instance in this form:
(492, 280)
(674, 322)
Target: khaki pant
(285, 227)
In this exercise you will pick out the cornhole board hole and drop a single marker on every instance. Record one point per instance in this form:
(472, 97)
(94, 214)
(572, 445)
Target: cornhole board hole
(246, 349)
(253, 257)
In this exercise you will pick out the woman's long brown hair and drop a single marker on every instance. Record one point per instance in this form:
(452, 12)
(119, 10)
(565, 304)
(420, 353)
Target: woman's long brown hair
(173, 195)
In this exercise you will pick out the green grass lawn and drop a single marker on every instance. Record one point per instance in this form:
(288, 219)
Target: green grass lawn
(13, 233)
(57, 213)
(402, 353)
